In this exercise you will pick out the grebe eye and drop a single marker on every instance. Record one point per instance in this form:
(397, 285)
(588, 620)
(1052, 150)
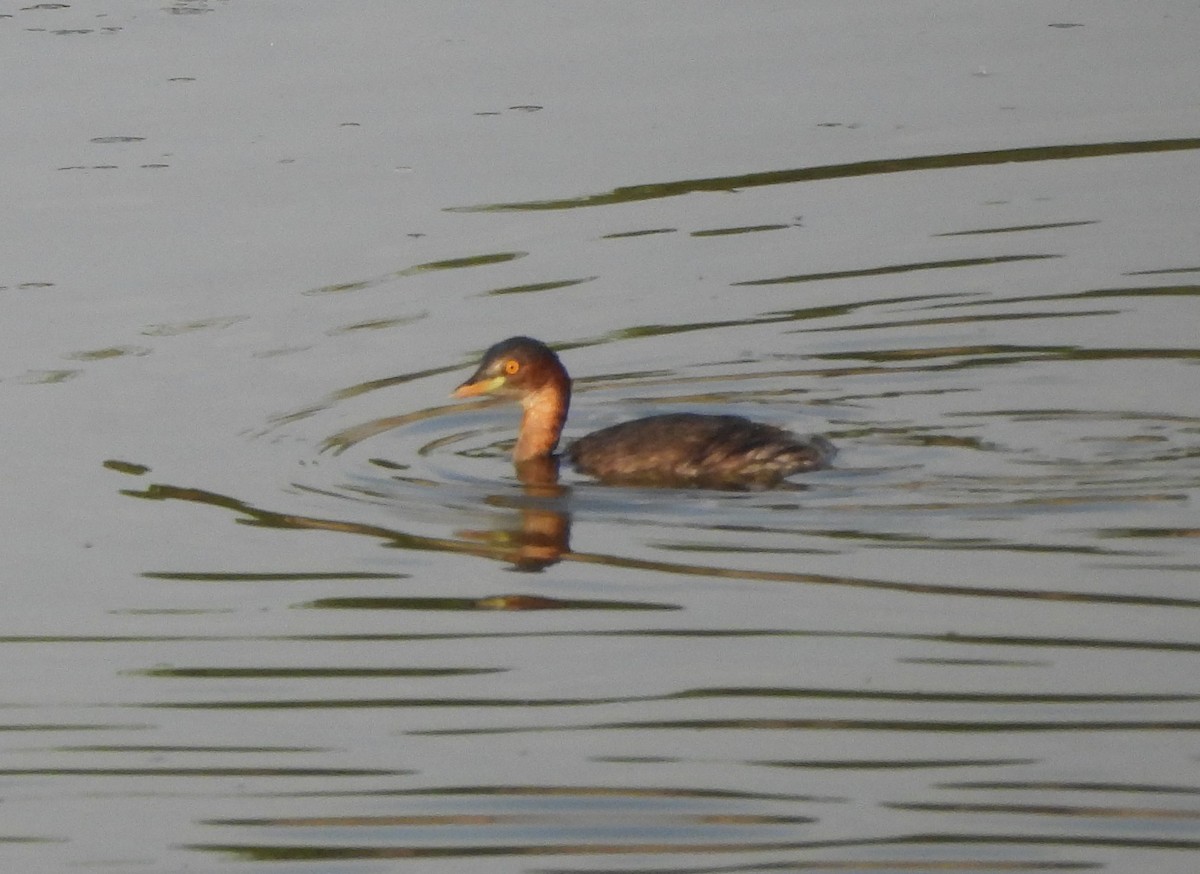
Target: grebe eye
(511, 366)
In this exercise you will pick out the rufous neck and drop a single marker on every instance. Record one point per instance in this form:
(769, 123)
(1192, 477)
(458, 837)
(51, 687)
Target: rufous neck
(542, 423)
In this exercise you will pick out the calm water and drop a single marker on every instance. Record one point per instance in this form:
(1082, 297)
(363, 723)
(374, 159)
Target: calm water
(275, 602)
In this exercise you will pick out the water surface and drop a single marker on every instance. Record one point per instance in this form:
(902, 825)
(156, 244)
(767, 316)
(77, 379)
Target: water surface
(273, 597)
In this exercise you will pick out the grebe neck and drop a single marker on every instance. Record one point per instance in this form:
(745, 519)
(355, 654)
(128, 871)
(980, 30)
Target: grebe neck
(542, 422)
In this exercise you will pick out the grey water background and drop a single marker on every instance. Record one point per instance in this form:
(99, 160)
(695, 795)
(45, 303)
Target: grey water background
(273, 602)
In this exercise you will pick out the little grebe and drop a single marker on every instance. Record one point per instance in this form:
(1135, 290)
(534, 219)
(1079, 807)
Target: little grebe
(680, 449)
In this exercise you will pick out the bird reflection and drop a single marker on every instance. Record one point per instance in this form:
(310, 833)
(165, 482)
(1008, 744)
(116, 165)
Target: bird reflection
(543, 534)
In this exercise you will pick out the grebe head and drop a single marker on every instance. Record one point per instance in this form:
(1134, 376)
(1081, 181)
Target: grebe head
(518, 367)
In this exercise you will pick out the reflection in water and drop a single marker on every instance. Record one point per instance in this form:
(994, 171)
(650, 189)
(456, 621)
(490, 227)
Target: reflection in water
(545, 530)
(899, 652)
(1018, 228)
(1025, 490)
(533, 820)
(418, 269)
(967, 648)
(492, 602)
(894, 268)
(653, 191)
(544, 527)
(539, 540)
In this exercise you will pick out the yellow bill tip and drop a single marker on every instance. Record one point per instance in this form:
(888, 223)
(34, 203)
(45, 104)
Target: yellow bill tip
(482, 387)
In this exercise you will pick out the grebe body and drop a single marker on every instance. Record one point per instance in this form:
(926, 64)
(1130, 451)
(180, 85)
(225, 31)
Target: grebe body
(676, 449)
